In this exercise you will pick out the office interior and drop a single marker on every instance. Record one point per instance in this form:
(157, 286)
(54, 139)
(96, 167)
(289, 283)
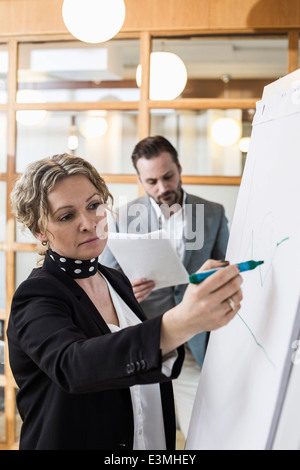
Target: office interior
(59, 94)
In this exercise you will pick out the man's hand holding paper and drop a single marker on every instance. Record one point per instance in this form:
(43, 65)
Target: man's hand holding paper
(142, 288)
(149, 261)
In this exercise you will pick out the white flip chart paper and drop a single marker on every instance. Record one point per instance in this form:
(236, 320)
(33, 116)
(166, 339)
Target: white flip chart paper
(241, 381)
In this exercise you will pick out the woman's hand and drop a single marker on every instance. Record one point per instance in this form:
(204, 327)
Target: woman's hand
(212, 264)
(205, 307)
(142, 288)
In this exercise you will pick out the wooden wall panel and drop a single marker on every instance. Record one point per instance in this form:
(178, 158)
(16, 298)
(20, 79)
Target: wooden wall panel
(157, 15)
(44, 16)
(273, 13)
(293, 55)
(254, 14)
(31, 17)
(211, 15)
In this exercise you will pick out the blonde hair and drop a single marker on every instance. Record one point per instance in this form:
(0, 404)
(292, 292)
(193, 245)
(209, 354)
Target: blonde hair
(29, 195)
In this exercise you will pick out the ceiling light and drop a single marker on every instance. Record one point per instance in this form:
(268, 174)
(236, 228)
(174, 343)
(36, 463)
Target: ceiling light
(93, 127)
(73, 138)
(168, 76)
(226, 131)
(72, 142)
(244, 144)
(94, 21)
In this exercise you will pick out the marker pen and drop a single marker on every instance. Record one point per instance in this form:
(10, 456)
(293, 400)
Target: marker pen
(245, 266)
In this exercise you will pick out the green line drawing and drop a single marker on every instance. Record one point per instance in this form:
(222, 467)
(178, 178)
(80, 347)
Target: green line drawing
(257, 343)
(262, 282)
(263, 279)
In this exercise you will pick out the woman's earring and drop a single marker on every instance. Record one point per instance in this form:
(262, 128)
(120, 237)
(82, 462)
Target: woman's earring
(44, 243)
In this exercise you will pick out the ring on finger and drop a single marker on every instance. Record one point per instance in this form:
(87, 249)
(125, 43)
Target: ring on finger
(231, 303)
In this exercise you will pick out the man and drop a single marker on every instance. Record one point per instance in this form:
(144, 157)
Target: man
(196, 235)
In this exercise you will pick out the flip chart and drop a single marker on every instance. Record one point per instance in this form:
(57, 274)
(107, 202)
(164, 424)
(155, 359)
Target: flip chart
(246, 371)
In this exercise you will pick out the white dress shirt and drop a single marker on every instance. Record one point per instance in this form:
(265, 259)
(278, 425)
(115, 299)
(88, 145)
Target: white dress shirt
(173, 225)
(149, 432)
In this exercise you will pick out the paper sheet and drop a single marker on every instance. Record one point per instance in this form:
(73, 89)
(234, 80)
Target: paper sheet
(150, 256)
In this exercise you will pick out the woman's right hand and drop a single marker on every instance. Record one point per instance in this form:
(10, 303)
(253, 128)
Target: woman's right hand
(204, 307)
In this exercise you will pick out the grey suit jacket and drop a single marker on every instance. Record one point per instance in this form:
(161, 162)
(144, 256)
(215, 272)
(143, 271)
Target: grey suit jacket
(206, 236)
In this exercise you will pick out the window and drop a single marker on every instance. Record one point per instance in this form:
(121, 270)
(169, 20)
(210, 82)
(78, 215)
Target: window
(209, 142)
(228, 67)
(2, 280)
(3, 141)
(3, 72)
(103, 137)
(76, 71)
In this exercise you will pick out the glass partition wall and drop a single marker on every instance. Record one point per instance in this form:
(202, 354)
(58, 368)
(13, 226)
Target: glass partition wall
(97, 101)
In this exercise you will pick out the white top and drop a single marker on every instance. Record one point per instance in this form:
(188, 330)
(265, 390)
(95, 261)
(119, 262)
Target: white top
(174, 225)
(149, 431)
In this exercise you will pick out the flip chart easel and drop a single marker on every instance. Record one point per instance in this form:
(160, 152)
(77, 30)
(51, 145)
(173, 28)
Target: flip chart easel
(247, 389)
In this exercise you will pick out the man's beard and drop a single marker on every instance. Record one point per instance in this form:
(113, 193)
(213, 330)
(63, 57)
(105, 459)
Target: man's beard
(171, 197)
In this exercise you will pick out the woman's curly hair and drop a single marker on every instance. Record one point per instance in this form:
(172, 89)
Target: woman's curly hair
(29, 195)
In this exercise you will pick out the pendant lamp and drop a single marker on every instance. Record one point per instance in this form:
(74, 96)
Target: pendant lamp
(168, 76)
(93, 21)
(226, 131)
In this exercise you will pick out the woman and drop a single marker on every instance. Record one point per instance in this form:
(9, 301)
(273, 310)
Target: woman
(91, 372)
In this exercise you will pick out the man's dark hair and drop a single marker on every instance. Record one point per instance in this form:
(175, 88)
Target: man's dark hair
(152, 147)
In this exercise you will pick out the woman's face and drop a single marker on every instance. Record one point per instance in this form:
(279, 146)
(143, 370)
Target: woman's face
(75, 228)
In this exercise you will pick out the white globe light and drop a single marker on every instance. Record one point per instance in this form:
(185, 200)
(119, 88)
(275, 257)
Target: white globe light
(244, 144)
(94, 21)
(168, 76)
(226, 131)
(93, 127)
(31, 118)
(72, 142)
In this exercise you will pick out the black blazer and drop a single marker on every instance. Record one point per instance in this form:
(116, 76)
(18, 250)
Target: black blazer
(73, 374)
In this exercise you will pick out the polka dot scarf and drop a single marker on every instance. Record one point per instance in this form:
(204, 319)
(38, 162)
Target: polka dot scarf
(76, 268)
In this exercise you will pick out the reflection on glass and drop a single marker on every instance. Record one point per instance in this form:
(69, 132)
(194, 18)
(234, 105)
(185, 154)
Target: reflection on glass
(24, 235)
(25, 263)
(200, 151)
(3, 141)
(3, 73)
(76, 71)
(249, 63)
(2, 279)
(105, 138)
(123, 193)
(2, 211)
(31, 118)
